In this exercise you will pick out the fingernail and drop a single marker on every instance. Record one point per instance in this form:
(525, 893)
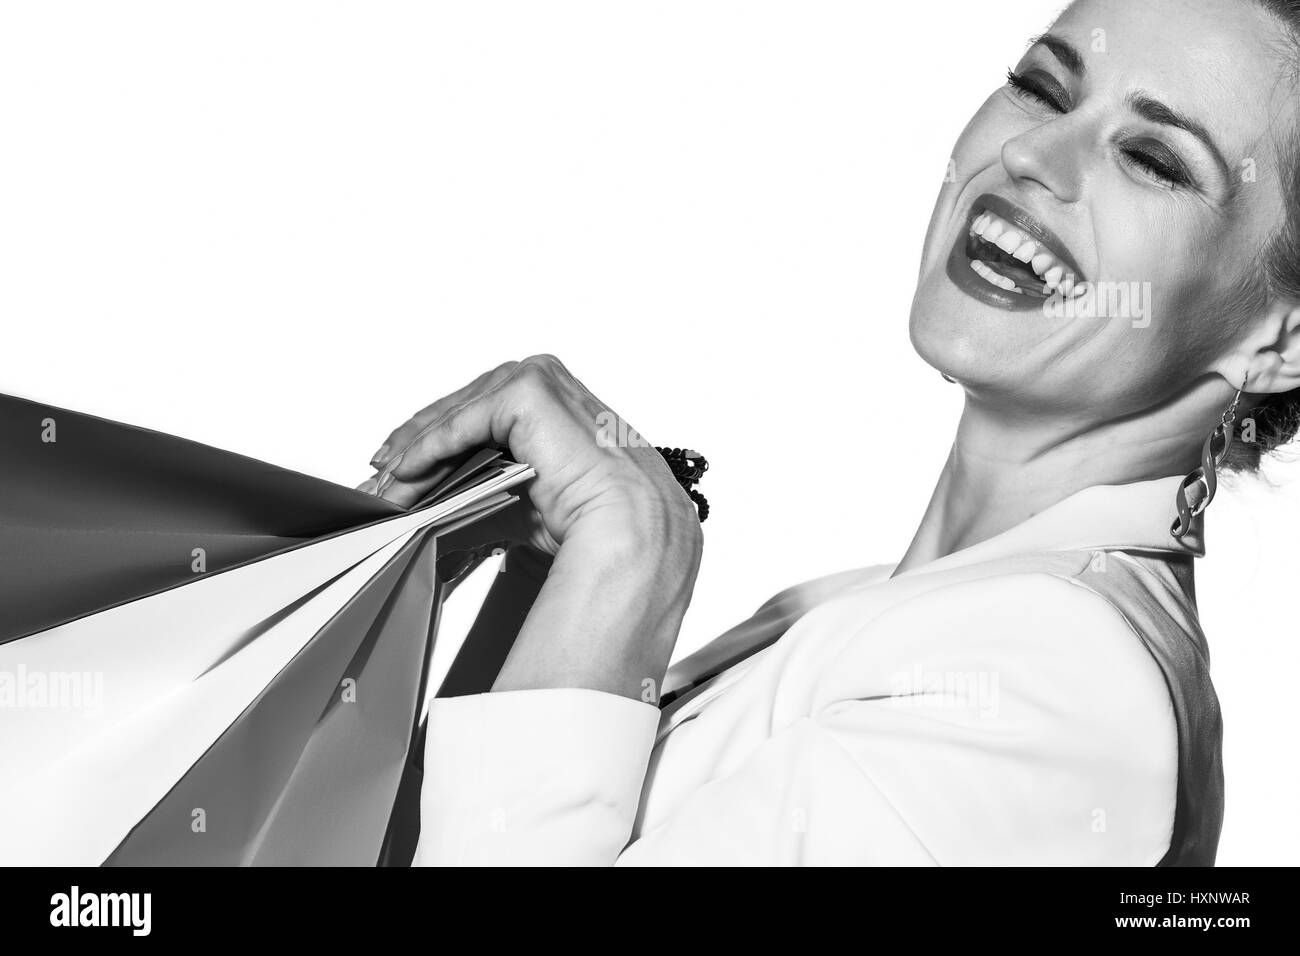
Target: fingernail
(368, 486)
(377, 458)
(384, 483)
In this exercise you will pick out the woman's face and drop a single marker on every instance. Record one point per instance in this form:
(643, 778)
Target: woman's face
(1137, 149)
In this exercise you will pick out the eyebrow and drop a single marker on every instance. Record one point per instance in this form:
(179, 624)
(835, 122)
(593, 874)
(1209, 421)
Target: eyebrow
(1064, 51)
(1151, 109)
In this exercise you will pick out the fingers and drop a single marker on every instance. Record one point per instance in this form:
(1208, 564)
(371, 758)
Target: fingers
(470, 424)
(401, 437)
(534, 408)
(531, 393)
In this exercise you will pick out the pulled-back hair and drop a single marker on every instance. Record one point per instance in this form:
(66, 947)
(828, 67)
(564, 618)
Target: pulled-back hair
(1277, 417)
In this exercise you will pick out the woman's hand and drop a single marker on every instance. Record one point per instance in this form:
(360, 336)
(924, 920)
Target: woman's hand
(585, 486)
(625, 535)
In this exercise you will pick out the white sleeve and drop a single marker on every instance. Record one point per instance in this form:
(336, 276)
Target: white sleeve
(532, 777)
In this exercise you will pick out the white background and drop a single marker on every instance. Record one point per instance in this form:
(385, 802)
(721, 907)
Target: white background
(280, 228)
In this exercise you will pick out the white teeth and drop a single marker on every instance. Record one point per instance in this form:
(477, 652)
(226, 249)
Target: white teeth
(1010, 241)
(1013, 241)
(1067, 285)
(1002, 282)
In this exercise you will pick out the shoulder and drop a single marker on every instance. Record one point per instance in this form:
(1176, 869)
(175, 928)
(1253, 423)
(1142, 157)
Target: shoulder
(1029, 619)
(1065, 666)
(1032, 695)
(1044, 608)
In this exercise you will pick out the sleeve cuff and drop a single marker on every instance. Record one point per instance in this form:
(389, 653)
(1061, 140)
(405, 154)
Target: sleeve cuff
(548, 776)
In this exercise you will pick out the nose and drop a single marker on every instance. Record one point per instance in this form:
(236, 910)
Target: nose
(1051, 155)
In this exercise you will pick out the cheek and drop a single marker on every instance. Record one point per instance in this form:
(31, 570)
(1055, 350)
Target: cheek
(1172, 259)
(1171, 327)
(977, 152)
(1145, 238)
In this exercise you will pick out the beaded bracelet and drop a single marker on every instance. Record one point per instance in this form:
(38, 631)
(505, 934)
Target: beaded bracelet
(688, 468)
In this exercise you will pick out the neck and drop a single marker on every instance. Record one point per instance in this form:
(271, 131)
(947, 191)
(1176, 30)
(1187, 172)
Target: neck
(1005, 469)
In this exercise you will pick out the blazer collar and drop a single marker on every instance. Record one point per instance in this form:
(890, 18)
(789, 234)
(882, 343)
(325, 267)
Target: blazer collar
(1132, 517)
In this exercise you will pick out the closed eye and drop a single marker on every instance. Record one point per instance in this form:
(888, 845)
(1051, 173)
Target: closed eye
(1157, 162)
(1041, 88)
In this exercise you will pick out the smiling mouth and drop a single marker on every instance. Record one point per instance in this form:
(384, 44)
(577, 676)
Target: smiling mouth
(1007, 258)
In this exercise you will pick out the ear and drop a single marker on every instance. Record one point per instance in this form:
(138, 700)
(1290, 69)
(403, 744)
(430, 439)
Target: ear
(1270, 354)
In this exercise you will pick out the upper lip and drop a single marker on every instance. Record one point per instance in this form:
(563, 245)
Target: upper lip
(1023, 220)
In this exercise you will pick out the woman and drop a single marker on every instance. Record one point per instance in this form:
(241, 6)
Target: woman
(1029, 684)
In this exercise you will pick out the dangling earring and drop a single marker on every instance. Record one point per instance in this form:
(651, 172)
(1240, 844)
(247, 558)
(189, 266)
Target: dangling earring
(1206, 475)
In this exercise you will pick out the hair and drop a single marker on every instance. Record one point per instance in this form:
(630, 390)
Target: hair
(1277, 417)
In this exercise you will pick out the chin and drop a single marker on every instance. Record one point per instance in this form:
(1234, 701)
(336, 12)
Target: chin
(979, 344)
(949, 336)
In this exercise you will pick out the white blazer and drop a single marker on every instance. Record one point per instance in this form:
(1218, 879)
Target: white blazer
(1039, 698)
